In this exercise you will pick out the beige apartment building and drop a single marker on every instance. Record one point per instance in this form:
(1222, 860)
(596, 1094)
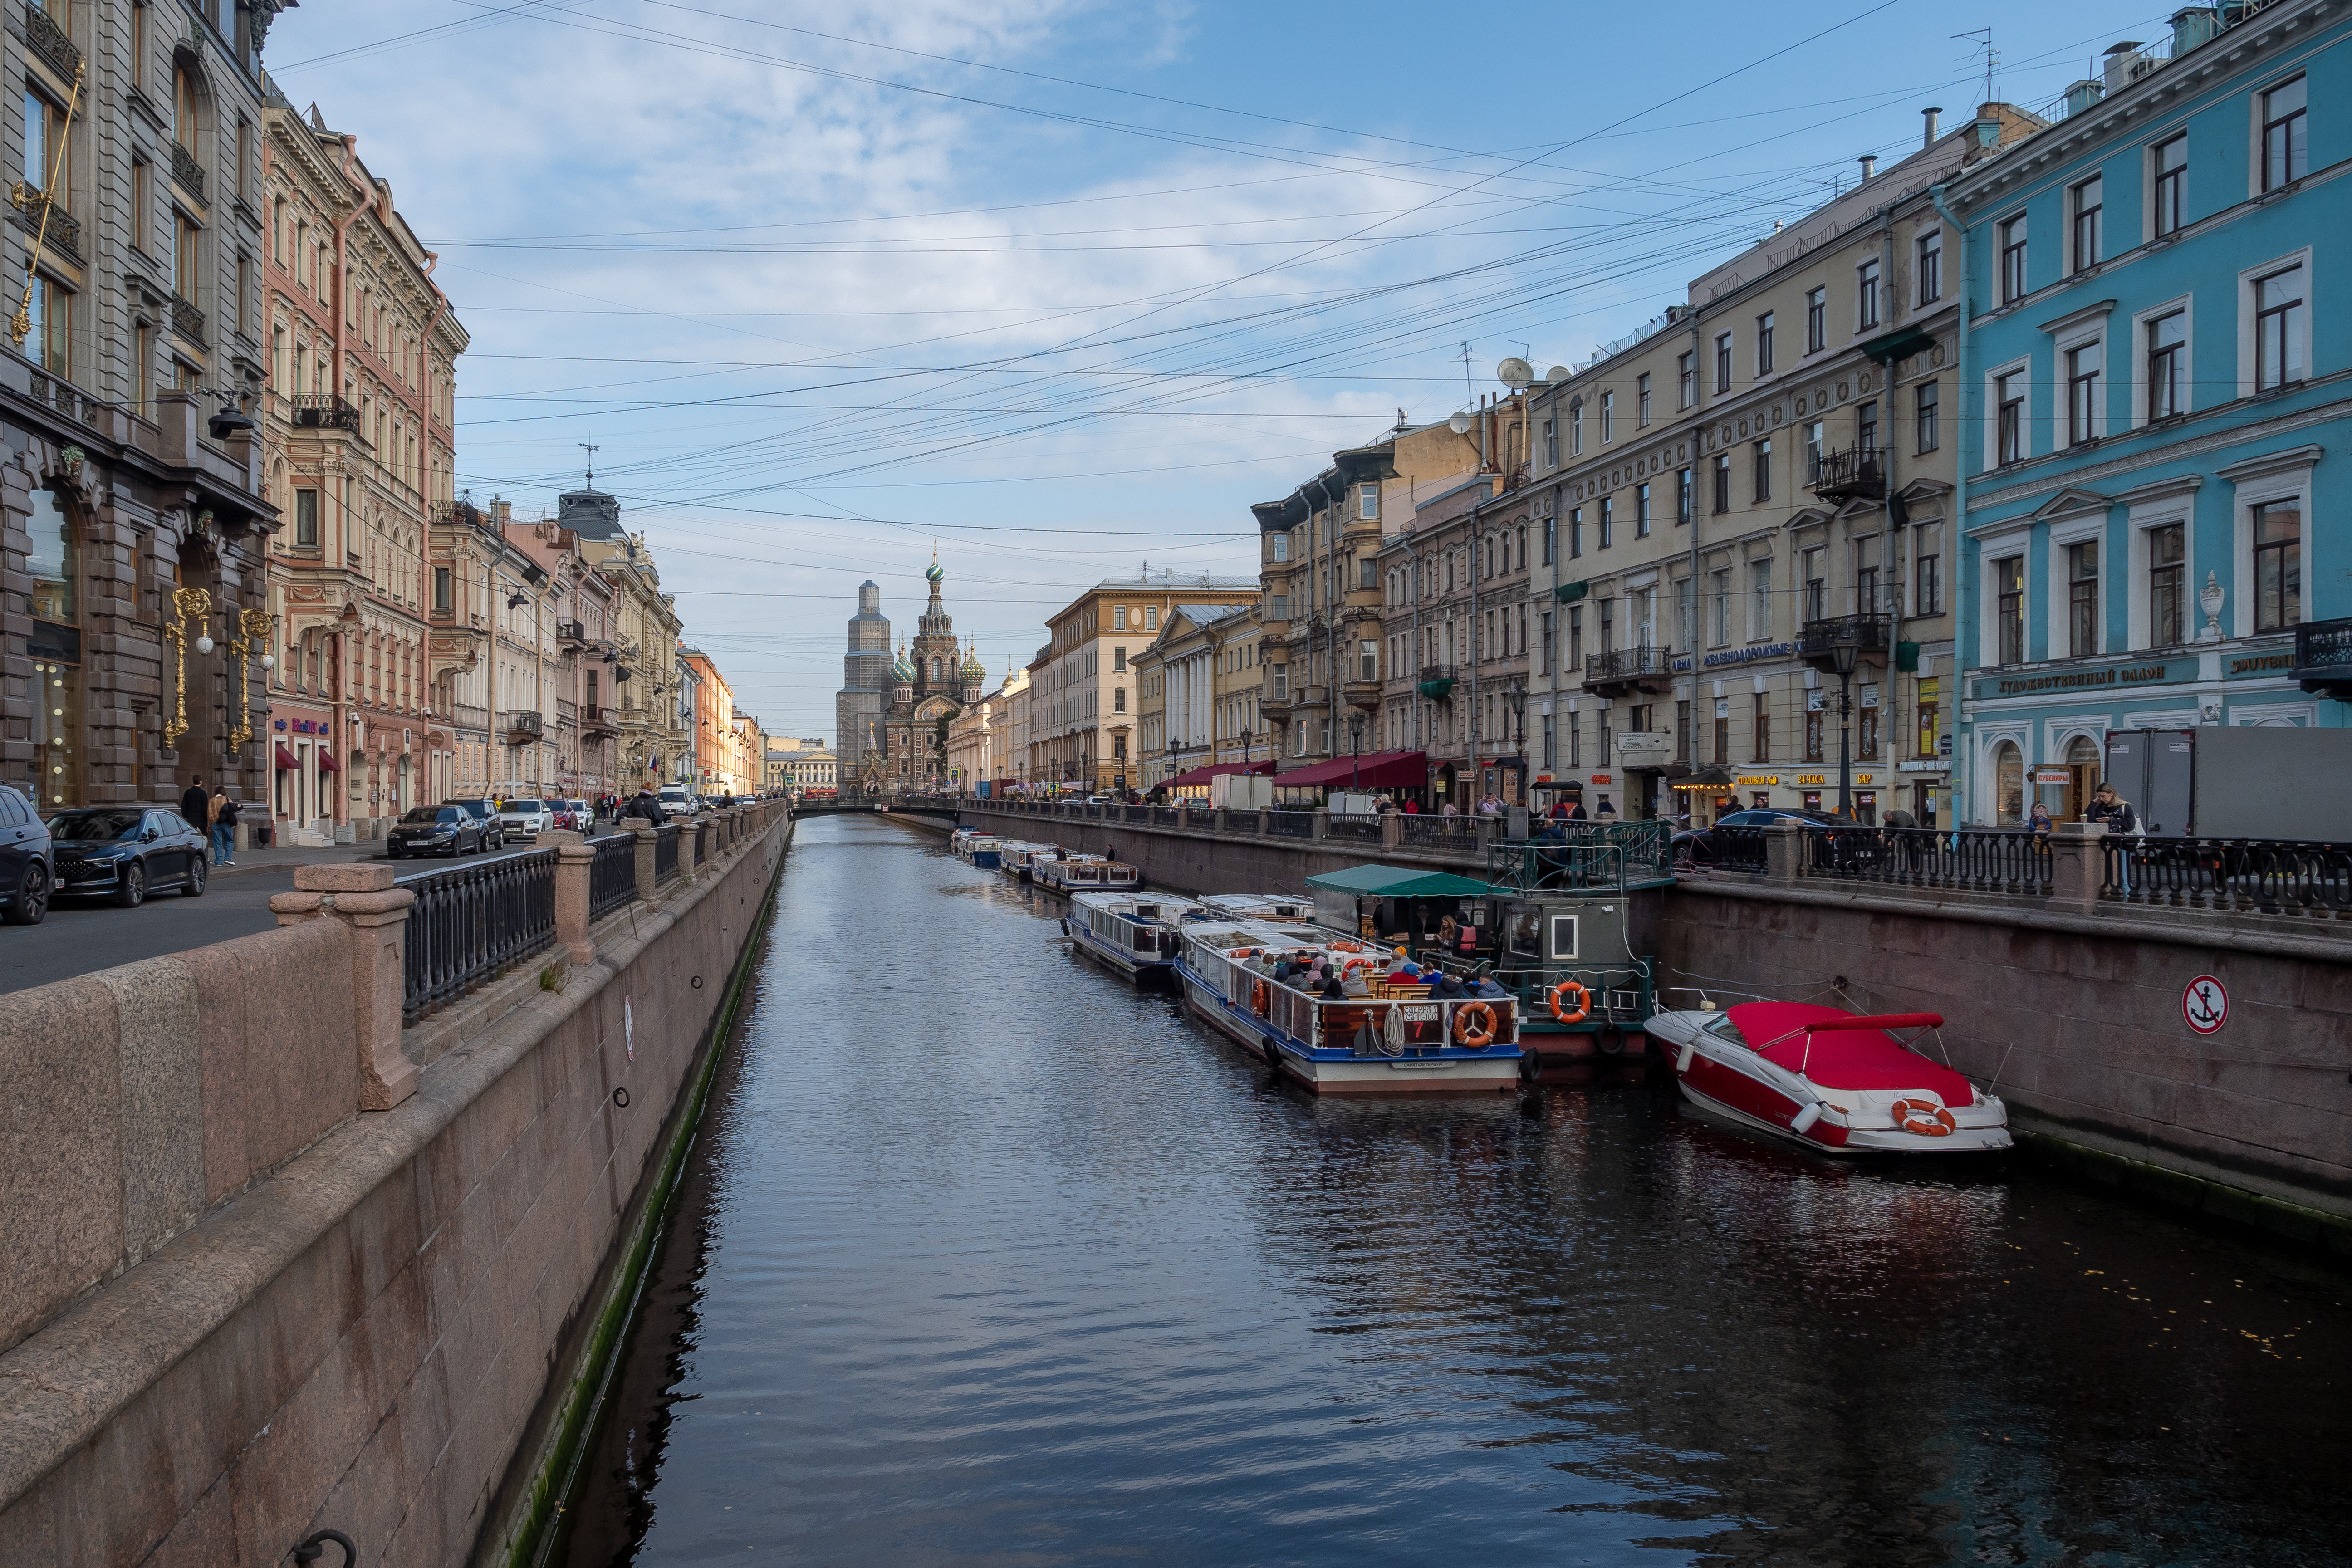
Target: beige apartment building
(1758, 477)
(638, 699)
(1198, 689)
(1321, 579)
(979, 738)
(1081, 715)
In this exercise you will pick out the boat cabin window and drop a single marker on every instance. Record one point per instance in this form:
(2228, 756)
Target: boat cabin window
(1523, 934)
(1564, 936)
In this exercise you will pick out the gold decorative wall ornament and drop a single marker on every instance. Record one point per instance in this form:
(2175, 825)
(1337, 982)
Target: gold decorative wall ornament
(20, 325)
(253, 626)
(188, 604)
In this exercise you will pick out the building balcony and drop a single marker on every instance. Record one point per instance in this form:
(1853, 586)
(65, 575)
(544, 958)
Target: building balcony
(1845, 641)
(1857, 473)
(597, 722)
(570, 634)
(1363, 694)
(189, 323)
(1621, 671)
(468, 716)
(186, 173)
(2323, 658)
(1437, 680)
(49, 41)
(324, 411)
(37, 214)
(523, 727)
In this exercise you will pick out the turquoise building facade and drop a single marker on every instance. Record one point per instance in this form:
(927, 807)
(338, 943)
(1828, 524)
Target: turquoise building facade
(2156, 404)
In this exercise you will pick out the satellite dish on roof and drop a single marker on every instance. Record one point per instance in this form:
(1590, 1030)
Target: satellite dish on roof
(1516, 374)
(1558, 373)
(1460, 423)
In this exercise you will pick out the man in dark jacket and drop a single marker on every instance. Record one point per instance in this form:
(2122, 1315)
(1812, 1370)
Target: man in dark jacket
(196, 805)
(643, 807)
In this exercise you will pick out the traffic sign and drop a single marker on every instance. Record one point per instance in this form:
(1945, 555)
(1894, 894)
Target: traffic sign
(2205, 1005)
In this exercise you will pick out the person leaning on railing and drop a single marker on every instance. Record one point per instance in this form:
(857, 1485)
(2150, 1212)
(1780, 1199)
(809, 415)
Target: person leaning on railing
(2114, 813)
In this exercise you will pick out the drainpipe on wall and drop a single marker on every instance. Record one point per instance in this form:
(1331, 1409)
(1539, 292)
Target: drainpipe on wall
(1957, 525)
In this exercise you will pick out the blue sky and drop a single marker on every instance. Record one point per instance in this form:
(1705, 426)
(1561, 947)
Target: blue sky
(1064, 286)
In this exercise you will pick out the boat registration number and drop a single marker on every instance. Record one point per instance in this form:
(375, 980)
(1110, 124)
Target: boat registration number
(1422, 1014)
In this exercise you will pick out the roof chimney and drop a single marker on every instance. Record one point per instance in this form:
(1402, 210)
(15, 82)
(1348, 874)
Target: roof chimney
(1930, 114)
(1869, 165)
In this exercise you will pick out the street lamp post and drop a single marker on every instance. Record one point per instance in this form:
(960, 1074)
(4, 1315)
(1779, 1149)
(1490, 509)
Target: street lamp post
(1356, 750)
(1517, 696)
(1845, 654)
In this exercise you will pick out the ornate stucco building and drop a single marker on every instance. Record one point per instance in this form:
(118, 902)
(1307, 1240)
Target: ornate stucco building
(136, 524)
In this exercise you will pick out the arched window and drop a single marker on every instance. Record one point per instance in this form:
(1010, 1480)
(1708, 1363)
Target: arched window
(2009, 783)
(53, 561)
(183, 108)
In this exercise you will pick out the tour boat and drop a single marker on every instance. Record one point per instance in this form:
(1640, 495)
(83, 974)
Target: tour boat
(1259, 907)
(1013, 854)
(1379, 1039)
(1132, 934)
(1067, 874)
(1834, 1081)
(983, 850)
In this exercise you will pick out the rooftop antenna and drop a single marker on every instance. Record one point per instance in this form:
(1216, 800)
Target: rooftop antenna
(1469, 393)
(590, 447)
(1991, 56)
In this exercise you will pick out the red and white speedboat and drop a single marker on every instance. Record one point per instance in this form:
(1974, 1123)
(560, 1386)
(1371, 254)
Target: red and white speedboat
(1829, 1080)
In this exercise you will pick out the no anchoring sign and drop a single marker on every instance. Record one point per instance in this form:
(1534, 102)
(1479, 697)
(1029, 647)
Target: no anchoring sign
(2205, 1005)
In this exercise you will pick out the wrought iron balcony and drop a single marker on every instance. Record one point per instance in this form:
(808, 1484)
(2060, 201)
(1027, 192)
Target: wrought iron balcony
(49, 40)
(62, 230)
(1852, 639)
(1436, 680)
(1615, 671)
(324, 411)
(2323, 658)
(570, 632)
(522, 726)
(186, 171)
(189, 323)
(1857, 473)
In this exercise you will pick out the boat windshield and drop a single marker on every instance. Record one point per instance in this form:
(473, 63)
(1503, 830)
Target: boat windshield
(1721, 1024)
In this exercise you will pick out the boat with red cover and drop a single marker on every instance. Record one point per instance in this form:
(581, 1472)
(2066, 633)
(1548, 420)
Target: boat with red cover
(1832, 1080)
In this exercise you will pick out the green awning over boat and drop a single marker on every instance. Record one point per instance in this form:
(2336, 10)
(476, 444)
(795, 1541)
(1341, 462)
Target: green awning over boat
(1392, 882)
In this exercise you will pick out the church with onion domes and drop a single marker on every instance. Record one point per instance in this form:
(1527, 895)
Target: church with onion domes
(930, 686)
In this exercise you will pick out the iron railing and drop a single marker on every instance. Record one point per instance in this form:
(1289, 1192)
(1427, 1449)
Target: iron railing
(1616, 666)
(49, 41)
(1356, 828)
(612, 875)
(2265, 876)
(1739, 849)
(1585, 855)
(471, 924)
(2008, 860)
(1441, 832)
(1290, 823)
(323, 411)
(1858, 471)
(665, 853)
(1166, 816)
(1868, 634)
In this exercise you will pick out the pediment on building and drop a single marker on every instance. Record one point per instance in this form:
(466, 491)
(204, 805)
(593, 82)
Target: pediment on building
(2071, 501)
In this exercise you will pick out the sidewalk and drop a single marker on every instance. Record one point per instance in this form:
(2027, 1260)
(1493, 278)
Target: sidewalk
(277, 857)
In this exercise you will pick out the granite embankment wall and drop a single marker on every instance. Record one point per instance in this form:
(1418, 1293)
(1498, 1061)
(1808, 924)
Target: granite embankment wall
(276, 1264)
(2075, 1017)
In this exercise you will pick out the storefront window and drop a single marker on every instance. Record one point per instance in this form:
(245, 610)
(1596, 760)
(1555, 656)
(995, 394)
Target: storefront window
(1930, 703)
(53, 562)
(2008, 782)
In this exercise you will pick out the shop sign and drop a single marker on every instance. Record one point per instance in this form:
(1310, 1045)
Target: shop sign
(1747, 779)
(2113, 675)
(2258, 664)
(1866, 778)
(2053, 776)
(1742, 655)
(1812, 778)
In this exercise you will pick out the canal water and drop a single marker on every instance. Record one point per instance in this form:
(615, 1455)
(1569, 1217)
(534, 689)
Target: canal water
(987, 1257)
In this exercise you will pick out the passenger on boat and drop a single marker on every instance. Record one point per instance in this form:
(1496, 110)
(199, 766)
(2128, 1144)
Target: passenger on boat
(1332, 989)
(1445, 985)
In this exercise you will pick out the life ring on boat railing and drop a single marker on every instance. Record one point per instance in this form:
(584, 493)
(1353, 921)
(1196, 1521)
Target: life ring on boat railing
(1923, 1118)
(1347, 947)
(1583, 1002)
(1470, 1037)
(1258, 997)
(1353, 964)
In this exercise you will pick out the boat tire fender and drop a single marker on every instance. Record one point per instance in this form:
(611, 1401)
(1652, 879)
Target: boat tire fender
(1473, 1036)
(1558, 994)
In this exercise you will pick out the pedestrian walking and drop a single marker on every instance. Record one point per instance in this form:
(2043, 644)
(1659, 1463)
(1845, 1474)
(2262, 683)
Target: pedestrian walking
(222, 812)
(196, 803)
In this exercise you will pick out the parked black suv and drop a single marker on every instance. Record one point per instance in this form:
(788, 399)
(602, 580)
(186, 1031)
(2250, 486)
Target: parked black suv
(27, 863)
(494, 836)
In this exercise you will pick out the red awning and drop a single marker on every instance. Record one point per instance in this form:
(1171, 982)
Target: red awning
(1374, 770)
(327, 761)
(286, 759)
(1202, 776)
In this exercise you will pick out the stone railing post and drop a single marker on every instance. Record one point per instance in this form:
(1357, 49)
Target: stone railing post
(648, 879)
(1393, 830)
(1264, 826)
(1322, 824)
(362, 899)
(2078, 866)
(1784, 853)
(572, 858)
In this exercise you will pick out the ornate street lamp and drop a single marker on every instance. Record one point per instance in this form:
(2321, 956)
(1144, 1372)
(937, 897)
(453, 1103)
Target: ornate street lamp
(1356, 749)
(1517, 697)
(1844, 654)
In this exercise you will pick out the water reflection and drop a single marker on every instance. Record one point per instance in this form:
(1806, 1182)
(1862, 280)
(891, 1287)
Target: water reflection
(993, 1259)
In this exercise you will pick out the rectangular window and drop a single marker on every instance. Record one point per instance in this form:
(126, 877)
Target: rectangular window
(1551, 443)
(2012, 259)
(45, 143)
(306, 519)
(2008, 417)
(1865, 426)
(1682, 495)
(2167, 622)
(444, 598)
(1575, 741)
(2170, 163)
(1576, 636)
(1763, 471)
(142, 195)
(1721, 583)
(1816, 585)
(2278, 565)
(1928, 401)
(143, 367)
(1814, 452)
(2088, 201)
(244, 282)
(1816, 320)
(1118, 660)
(1608, 417)
(1641, 512)
(1759, 600)
(2168, 365)
(2287, 150)
(1575, 430)
(1687, 379)
(1865, 578)
(2083, 599)
(1683, 732)
(1812, 732)
(1551, 538)
(1119, 699)
(1367, 660)
(1764, 343)
(1928, 252)
(2009, 585)
(1152, 618)
(2278, 330)
(1723, 729)
(49, 344)
(1722, 361)
(1928, 570)
(1368, 503)
(1686, 611)
(184, 273)
(1575, 533)
(1642, 399)
(1119, 617)
(1761, 728)
(2083, 367)
(1865, 296)
(1608, 505)
(1723, 482)
(1544, 621)
(1280, 546)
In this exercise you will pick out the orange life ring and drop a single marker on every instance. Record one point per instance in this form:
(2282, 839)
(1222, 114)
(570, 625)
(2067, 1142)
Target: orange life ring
(1258, 997)
(1473, 1038)
(1922, 1119)
(1353, 964)
(1583, 1002)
